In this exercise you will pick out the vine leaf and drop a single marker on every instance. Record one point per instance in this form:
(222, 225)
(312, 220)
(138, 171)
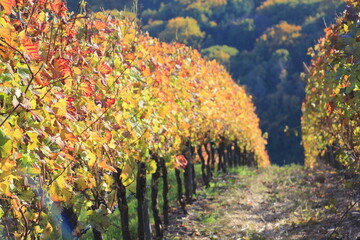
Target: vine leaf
(8, 5)
(87, 88)
(104, 68)
(62, 67)
(99, 25)
(31, 49)
(103, 165)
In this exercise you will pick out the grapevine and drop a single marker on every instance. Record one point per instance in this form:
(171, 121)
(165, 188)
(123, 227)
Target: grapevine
(331, 120)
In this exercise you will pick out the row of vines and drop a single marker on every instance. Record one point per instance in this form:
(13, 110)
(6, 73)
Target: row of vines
(331, 121)
(90, 106)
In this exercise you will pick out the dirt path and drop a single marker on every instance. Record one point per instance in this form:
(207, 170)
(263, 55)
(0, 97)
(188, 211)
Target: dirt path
(274, 203)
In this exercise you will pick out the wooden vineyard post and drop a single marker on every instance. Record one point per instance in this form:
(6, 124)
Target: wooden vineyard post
(142, 209)
(165, 191)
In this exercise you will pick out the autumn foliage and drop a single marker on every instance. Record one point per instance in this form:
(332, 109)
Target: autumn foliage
(85, 96)
(331, 121)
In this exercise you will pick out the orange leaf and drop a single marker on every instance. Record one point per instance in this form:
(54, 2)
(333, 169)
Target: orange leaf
(108, 136)
(130, 56)
(31, 49)
(58, 7)
(40, 81)
(104, 68)
(99, 25)
(8, 5)
(146, 71)
(163, 96)
(68, 157)
(71, 137)
(103, 165)
(87, 89)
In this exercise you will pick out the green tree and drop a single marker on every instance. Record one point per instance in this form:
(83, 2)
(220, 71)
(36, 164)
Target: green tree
(155, 27)
(222, 54)
(241, 34)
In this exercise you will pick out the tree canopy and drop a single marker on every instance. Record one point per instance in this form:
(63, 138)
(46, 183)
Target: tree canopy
(183, 30)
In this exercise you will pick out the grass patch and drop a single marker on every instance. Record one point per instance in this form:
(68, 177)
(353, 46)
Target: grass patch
(207, 218)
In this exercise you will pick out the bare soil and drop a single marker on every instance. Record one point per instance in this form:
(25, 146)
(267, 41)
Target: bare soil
(273, 203)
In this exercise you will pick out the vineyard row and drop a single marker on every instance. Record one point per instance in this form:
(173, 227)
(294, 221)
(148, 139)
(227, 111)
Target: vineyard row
(90, 106)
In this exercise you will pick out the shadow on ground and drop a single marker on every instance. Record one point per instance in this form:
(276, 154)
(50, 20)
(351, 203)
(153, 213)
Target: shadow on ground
(275, 203)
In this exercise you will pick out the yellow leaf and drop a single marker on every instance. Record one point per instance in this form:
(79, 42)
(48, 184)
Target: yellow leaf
(92, 158)
(151, 166)
(38, 229)
(77, 70)
(34, 140)
(42, 16)
(60, 107)
(48, 230)
(60, 190)
(17, 134)
(33, 104)
(5, 185)
(8, 165)
(109, 181)
(126, 171)
(81, 184)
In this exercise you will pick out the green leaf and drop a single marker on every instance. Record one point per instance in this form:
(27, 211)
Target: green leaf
(5, 145)
(99, 218)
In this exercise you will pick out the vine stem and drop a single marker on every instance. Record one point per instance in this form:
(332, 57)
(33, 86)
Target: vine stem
(26, 223)
(343, 216)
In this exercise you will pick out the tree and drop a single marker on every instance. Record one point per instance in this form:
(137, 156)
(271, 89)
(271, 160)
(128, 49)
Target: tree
(155, 27)
(282, 35)
(222, 54)
(183, 30)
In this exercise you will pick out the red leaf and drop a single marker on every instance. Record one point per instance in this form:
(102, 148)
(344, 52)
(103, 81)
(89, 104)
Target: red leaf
(110, 101)
(181, 161)
(62, 66)
(70, 100)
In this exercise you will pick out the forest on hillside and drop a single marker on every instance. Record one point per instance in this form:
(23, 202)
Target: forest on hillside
(263, 43)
